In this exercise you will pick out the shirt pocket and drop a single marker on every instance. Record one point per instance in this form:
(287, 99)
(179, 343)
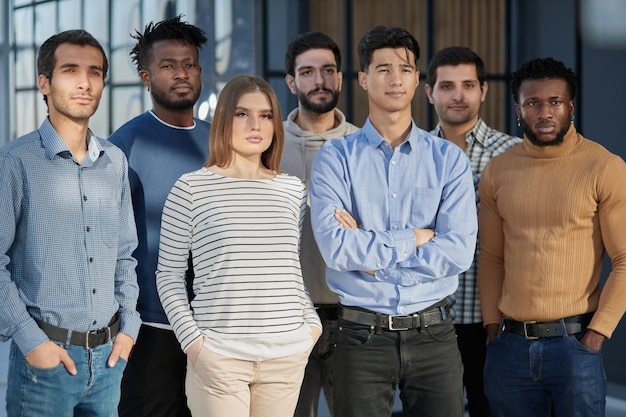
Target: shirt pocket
(425, 204)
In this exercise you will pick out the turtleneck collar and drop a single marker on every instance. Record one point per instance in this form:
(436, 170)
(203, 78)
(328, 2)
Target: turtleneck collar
(570, 142)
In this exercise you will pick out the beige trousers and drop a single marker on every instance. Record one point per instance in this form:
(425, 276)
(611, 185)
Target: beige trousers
(219, 386)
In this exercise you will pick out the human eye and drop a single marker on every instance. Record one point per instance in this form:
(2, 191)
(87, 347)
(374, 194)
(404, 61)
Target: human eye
(267, 116)
(306, 73)
(469, 86)
(329, 71)
(240, 113)
(445, 86)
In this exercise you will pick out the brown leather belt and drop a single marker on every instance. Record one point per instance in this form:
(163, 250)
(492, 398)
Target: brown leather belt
(435, 314)
(87, 340)
(532, 330)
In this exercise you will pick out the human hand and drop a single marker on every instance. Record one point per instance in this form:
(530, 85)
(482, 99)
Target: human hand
(345, 219)
(122, 345)
(315, 334)
(49, 355)
(193, 351)
(423, 236)
(492, 331)
(592, 340)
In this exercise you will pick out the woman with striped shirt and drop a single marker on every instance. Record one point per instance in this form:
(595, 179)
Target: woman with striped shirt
(249, 329)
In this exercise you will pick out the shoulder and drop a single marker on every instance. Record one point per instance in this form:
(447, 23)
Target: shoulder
(501, 141)
(128, 132)
(21, 145)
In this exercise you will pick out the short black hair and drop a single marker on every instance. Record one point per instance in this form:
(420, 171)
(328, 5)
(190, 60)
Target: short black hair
(306, 41)
(455, 56)
(541, 69)
(170, 29)
(45, 57)
(380, 37)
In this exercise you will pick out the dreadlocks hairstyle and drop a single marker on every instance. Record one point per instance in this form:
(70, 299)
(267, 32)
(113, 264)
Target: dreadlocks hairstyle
(171, 29)
(541, 69)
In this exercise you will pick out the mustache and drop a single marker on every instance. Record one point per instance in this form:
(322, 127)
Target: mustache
(319, 89)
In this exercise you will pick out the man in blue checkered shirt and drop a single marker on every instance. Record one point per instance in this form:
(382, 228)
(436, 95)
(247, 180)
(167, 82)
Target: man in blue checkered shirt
(456, 86)
(67, 275)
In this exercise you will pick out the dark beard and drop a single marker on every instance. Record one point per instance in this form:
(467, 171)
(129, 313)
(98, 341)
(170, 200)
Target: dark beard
(322, 107)
(533, 138)
(176, 105)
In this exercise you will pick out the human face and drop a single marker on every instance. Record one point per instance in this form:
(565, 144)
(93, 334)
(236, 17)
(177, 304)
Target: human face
(317, 82)
(75, 87)
(253, 128)
(457, 95)
(545, 110)
(174, 75)
(390, 80)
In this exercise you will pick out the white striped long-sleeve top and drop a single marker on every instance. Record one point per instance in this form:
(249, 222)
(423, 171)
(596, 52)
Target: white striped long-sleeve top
(243, 237)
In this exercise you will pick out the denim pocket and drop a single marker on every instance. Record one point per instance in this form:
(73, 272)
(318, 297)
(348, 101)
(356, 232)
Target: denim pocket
(349, 334)
(574, 338)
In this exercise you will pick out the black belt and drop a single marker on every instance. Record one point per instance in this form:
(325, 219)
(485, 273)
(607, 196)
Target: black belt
(432, 315)
(532, 330)
(327, 312)
(87, 340)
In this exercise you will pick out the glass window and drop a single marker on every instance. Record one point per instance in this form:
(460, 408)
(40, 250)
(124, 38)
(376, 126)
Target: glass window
(70, 15)
(97, 20)
(23, 19)
(25, 68)
(45, 22)
(99, 122)
(25, 119)
(128, 103)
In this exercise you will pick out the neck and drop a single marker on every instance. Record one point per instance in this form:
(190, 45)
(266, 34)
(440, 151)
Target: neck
(180, 118)
(393, 127)
(457, 133)
(315, 122)
(244, 168)
(73, 132)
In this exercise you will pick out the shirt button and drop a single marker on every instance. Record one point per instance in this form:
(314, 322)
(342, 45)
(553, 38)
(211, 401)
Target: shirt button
(378, 266)
(88, 229)
(93, 291)
(394, 195)
(84, 198)
(393, 162)
(90, 259)
(95, 322)
(395, 227)
(386, 276)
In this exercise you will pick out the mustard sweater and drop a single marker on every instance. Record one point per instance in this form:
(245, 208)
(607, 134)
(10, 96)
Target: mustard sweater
(547, 216)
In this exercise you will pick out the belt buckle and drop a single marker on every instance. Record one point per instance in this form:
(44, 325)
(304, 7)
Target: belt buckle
(526, 330)
(396, 328)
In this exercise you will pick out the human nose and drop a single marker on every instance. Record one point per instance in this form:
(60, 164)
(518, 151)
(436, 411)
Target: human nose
(396, 79)
(319, 78)
(253, 122)
(457, 94)
(83, 82)
(180, 72)
(544, 111)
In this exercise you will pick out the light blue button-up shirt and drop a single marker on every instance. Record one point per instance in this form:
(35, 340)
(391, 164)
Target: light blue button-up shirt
(67, 234)
(425, 183)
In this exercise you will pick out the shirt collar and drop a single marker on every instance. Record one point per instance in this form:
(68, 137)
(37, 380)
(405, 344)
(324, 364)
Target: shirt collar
(375, 139)
(54, 145)
(479, 133)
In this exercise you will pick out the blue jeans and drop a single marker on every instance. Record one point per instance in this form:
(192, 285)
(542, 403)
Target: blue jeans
(529, 377)
(93, 392)
(425, 364)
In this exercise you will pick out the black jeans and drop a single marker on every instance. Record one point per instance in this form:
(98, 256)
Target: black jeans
(472, 340)
(153, 384)
(424, 364)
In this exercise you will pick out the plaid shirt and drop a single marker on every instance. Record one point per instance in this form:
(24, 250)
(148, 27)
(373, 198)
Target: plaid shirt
(483, 143)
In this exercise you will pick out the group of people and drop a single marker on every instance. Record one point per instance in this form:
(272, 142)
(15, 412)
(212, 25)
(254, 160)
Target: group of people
(253, 263)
